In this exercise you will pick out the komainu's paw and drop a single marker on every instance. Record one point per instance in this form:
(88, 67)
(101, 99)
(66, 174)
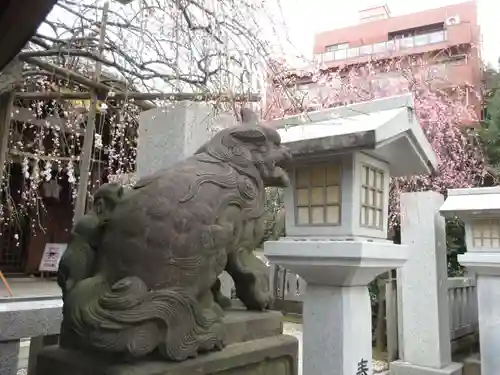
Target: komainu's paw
(214, 340)
(264, 300)
(255, 296)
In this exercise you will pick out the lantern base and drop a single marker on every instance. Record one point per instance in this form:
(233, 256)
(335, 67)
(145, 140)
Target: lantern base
(337, 309)
(336, 263)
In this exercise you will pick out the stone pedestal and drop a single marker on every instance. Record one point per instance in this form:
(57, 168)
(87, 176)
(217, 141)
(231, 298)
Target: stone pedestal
(256, 345)
(337, 309)
(424, 328)
(25, 317)
(487, 268)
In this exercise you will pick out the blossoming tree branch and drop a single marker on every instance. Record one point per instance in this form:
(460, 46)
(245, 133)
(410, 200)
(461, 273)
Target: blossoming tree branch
(444, 111)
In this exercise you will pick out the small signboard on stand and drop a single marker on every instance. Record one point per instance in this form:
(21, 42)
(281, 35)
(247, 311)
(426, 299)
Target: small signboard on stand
(51, 257)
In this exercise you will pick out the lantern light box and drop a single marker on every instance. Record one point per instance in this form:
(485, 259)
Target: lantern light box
(479, 208)
(342, 163)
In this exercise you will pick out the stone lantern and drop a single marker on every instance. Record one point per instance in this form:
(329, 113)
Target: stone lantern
(479, 208)
(336, 220)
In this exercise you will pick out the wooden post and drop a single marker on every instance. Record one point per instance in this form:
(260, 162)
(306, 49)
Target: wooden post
(6, 104)
(88, 142)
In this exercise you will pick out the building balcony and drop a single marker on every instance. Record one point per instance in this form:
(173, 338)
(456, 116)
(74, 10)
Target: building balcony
(454, 35)
(390, 46)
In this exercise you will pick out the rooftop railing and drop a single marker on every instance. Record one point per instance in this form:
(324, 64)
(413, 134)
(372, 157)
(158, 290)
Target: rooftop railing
(383, 47)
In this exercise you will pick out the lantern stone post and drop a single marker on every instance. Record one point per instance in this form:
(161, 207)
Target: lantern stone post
(337, 220)
(479, 208)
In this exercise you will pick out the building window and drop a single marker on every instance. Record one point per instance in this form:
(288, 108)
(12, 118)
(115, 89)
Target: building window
(486, 233)
(380, 47)
(317, 195)
(428, 29)
(353, 52)
(372, 197)
(336, 47)
(366, 49)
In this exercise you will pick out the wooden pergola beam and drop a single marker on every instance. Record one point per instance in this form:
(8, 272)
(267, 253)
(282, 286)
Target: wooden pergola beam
(140, 96)
(103, 90)
(67, 74)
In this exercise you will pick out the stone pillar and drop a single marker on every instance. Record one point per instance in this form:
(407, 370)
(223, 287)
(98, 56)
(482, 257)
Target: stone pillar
(170, 134)
(9, 353)
(342, 346)
(486, 265)
(423, 291)
(488, 295)
(337, 311)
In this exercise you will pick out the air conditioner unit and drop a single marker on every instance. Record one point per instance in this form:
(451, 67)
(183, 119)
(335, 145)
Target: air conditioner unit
(453, 20)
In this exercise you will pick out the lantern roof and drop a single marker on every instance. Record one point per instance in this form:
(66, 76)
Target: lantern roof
(385, 128)
(472, 202)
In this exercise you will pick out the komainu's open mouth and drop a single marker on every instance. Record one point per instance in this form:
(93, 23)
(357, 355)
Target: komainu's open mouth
(276, 174)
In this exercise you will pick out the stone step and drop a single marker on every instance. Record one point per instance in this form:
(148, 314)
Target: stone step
(24, 353)
(472, 365)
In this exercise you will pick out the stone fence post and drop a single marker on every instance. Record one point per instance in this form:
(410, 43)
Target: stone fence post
(424, 331)
(479, 208)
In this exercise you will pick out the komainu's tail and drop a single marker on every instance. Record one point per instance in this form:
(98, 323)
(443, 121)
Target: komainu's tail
(127, 318)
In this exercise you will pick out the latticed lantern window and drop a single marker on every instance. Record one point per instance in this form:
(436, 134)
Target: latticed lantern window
(372, 197)
(317, 195)
(486, 233)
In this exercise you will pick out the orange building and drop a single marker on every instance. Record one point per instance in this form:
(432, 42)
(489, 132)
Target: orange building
(448, 37)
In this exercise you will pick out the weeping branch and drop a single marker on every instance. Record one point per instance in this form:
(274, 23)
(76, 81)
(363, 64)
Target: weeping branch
(171, 96)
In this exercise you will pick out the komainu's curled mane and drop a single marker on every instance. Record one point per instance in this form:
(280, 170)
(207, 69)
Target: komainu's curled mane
(140, 274)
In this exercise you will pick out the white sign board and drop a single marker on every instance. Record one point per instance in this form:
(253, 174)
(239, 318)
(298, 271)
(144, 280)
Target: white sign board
(51, 257)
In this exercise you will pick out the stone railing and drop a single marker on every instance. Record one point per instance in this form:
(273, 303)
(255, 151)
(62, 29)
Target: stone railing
(37, 319)
(462, 300)
(288, 285)
(289, 288)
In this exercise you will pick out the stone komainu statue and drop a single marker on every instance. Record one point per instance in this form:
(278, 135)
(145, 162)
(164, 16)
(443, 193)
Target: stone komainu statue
(141, 272)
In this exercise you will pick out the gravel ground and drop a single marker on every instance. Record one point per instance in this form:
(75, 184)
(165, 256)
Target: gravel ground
(294, 329)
